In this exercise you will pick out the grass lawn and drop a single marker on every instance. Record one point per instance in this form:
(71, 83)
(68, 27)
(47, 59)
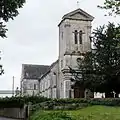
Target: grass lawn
(89, 113)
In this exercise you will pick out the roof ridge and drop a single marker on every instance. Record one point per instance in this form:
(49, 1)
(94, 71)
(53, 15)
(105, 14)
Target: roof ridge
(35, 64)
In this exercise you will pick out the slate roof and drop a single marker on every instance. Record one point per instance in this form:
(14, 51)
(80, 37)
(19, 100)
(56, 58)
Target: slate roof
(30, 71)
(49, 70)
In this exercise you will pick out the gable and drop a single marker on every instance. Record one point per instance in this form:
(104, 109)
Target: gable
(78, 14)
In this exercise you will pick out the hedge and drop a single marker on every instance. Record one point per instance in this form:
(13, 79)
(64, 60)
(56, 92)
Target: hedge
(20, 101)
(69, 104)
(9, 102)
(92, 101)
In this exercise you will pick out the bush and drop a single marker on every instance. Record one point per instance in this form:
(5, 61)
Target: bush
(93, 101)
(68, 104)
(105, 101)
(20, 101)
(60, 104)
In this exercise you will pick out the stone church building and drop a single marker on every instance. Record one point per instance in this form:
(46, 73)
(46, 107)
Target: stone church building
(55, 81)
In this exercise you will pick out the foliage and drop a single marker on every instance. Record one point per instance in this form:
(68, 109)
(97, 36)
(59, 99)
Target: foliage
(106, 59)
(11, 102)
(8, 10)
(112, 5)
(34, 99)
(50, 105)
(1, 69)
(92, 101)
(89, 113)
(73, 104)
(100, 68)
(20, 101)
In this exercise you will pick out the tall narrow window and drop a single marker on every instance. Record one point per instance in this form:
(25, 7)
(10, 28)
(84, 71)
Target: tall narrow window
(76, 36)
(61, 63)
(80, 36)
(62, 35)
(35, 87)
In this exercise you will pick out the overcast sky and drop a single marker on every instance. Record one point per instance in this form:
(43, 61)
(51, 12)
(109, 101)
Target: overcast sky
(33, 35)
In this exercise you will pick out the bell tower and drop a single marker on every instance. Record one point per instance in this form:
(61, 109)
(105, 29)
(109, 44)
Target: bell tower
(74, 33)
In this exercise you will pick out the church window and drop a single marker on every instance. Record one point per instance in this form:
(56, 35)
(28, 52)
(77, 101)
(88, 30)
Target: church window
(30, 86)
(61, 85)
(76, 37)
(35, 86)
(62, 35)
(80, 36)
(61, 63)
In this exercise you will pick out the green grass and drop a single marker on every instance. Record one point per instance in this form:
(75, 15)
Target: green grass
(89, 113)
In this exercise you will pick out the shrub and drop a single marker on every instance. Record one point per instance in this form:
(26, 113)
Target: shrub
(72, 104)
(93, 101)
(78, 103)
(20, 101)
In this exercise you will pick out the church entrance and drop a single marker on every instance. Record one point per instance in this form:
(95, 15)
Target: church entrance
(78, 93)
(78, 90)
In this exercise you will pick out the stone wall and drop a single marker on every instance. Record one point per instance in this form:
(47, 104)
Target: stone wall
(17, 113)
(30, 87)
(48, 84)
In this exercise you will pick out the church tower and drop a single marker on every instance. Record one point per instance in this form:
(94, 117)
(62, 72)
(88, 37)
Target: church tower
(74, 33)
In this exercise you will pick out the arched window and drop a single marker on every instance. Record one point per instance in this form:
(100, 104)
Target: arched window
(80, 36)
(35, 86)
(61, 63)
(76, 36)
(62, 35)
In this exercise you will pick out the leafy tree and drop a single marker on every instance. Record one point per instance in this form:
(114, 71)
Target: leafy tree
(100, 68)
(104, 61)
(112, 5)
(8, 10)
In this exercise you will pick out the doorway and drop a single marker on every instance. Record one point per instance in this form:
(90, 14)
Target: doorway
(78, 90)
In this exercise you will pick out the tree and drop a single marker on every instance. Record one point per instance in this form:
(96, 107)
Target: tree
(112, 5)
(8, 10)
(100, 68)
(103, 69)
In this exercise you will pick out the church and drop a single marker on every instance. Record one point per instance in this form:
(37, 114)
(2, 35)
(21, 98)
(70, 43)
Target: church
(55, 81)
